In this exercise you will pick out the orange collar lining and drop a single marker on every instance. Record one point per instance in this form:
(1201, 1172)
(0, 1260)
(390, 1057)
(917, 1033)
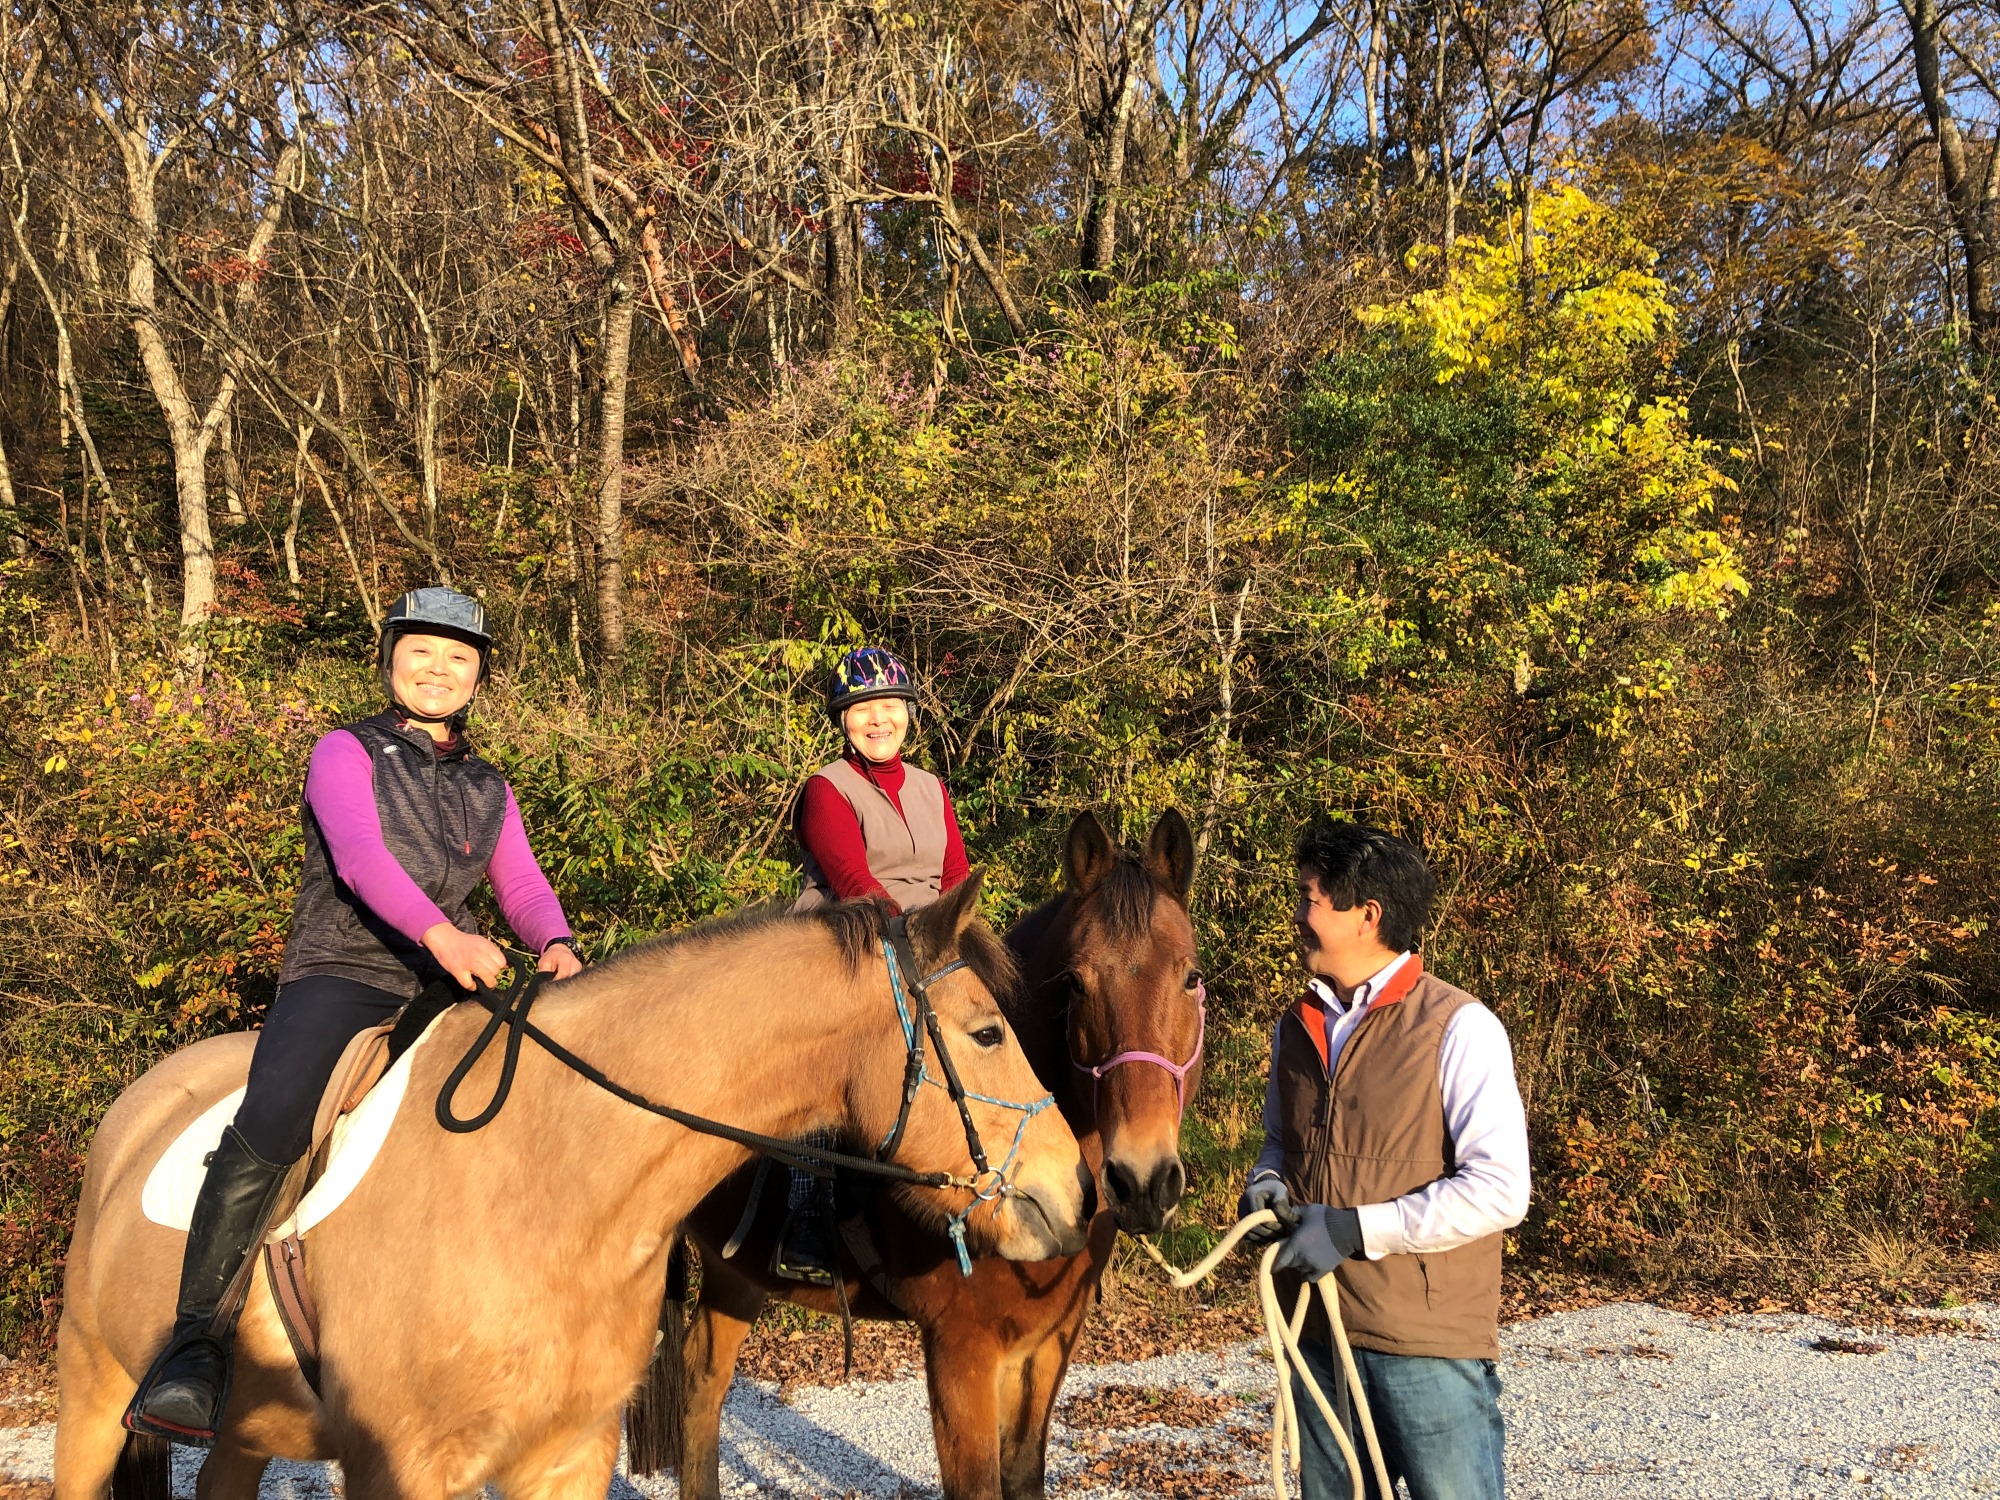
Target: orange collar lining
(1311, 1011)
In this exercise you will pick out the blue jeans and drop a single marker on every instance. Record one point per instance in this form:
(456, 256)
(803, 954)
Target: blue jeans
(1438, 1419)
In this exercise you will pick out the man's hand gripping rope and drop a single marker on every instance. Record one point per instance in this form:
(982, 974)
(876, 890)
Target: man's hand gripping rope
(1284, 1336)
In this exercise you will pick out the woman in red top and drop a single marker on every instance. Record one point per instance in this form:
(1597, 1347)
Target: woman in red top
(870, 826)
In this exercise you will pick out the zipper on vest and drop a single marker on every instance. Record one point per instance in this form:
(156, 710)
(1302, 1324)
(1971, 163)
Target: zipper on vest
(435, 771)
(1347, 1051)
(1323, 1143)
(867, 774)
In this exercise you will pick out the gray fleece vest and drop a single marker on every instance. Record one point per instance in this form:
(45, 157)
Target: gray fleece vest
(905, 850)
(441, 819)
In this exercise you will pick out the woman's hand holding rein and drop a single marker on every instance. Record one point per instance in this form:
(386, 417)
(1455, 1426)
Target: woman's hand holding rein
(467, 956)
(559, 960)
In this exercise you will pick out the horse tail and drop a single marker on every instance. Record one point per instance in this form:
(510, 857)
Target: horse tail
(656, 1418)
(145, 1469)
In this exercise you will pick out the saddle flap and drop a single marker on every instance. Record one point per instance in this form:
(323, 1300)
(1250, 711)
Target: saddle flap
(344, 1143)
(360, 1068)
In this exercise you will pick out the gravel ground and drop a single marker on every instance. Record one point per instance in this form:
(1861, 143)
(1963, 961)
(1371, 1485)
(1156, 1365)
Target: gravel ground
(1625, 1402)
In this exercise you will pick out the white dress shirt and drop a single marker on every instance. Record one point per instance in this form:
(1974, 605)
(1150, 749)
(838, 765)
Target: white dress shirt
(1488, 1189)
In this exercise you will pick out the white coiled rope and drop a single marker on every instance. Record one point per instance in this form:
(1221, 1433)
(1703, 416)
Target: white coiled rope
(1284, 1335)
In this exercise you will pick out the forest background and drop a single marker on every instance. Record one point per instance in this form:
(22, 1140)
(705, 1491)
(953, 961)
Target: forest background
(1562, 431)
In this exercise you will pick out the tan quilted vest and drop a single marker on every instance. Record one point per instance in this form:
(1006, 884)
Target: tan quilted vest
(1374, 1132)
(905, 850)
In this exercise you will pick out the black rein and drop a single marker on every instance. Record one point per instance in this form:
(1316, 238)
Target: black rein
(510, 1011)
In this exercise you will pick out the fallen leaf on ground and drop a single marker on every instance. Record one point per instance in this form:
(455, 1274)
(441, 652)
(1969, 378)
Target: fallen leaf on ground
(1112, 1408)
(1826, 1343)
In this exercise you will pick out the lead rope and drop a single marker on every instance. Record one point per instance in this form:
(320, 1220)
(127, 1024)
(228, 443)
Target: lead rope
(1284, 1336)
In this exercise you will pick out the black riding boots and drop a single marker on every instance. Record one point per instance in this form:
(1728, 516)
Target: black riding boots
(805, 1250)
(182, 1396)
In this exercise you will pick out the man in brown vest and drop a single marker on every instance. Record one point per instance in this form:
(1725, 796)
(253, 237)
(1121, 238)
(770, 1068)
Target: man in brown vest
(1395, 1140)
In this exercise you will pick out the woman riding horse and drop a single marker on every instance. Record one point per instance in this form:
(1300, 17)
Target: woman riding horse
(870, 825)
(402, 821)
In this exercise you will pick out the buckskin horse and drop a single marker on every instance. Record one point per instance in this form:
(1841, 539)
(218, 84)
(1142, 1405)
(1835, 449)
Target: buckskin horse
(488, 1301)
(1110, 1013)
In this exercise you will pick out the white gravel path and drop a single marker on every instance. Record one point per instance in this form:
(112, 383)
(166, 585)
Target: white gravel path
(1626, 1402)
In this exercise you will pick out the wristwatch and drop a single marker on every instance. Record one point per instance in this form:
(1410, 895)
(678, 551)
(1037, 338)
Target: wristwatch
(565, 941)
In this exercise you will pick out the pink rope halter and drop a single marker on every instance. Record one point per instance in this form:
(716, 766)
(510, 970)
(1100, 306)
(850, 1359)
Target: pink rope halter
(1179, 1071)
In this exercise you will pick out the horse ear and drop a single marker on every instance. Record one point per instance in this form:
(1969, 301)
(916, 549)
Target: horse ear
(936, 929)
(958, 908)
(1170, 854)
(1087, 853)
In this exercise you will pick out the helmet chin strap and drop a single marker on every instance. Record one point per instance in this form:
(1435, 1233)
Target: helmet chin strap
(457, 715)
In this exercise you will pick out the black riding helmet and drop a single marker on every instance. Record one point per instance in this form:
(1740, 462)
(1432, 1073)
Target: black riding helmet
(435, 611)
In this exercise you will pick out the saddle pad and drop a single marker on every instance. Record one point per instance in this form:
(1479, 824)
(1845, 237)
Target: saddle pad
(169, 1194)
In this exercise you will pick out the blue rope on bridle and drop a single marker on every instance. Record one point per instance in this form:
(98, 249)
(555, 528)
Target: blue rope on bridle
(990, 1182)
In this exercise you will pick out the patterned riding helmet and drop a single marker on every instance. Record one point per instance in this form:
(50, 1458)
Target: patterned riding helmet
(869, 672)
(433, 611)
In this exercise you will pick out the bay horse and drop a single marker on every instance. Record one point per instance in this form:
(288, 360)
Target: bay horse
(488, 1301)
(1110, 1013)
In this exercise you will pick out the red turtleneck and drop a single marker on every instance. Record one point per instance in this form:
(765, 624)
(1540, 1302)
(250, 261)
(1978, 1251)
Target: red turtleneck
(832, 834)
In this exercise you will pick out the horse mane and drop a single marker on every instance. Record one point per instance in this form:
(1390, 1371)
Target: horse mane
(985, 954)
(856, 927)
(1125, 893)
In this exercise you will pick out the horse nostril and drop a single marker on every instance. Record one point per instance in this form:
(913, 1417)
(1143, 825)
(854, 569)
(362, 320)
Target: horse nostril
(1168, 1185)
(1120, 1186)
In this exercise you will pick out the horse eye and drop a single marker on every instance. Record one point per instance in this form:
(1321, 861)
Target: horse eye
(989, 1036)
(1193, 982)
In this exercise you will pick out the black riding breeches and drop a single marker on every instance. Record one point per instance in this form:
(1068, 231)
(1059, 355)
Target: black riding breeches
(310, 1025)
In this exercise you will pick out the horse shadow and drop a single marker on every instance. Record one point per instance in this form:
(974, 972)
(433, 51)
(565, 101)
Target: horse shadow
(283, 1480)
(859, 1439)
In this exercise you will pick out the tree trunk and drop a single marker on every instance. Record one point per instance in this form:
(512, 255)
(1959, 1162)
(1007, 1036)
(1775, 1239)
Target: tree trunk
(1970, 200)
(618, 315)
(842, 285)
(995, 277)
(232, 471)
(1228, 644)
(188, 436)
(842, 306)
(1372, 85)
(10, 509)
(1112, 130)
(189, 433)
(612, 250)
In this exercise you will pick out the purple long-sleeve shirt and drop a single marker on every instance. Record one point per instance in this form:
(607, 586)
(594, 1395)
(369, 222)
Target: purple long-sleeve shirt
(340, 789)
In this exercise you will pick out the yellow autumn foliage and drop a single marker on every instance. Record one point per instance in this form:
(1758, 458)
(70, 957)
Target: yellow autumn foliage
(1578, 331)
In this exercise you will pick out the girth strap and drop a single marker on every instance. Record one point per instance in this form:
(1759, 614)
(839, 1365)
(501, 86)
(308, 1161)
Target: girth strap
(742, 1230)
(857, 1234)
(285, 1270)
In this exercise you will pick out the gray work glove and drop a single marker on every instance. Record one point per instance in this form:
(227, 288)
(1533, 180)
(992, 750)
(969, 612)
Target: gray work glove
(1267, 1192)
(1325, 1237)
